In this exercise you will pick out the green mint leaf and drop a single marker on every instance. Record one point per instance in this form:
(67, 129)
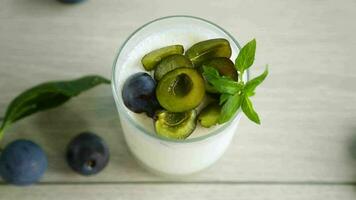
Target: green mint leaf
(230, 108)
(223, 98)
(221, 83)
(246, 56)
(251, 85)
(45, 96)
(249, 111)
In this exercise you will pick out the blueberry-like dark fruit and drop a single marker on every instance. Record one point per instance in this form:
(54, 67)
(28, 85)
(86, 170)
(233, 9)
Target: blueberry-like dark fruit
(22, 162)
(71, 1)
(87, 154)
(138, 94)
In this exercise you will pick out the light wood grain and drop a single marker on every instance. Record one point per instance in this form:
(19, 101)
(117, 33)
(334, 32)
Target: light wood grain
(178, 192)
(307, 105)
(271, 155)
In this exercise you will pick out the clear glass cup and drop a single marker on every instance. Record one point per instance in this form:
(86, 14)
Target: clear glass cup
(161, 155)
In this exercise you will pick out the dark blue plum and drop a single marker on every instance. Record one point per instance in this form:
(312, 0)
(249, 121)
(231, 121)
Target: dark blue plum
(87, 154)
(71, 1)
(139, 95)
(22, 162)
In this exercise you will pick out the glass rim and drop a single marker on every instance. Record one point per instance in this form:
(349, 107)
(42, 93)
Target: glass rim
(121, 107)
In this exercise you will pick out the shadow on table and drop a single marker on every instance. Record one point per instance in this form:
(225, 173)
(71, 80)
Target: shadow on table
(352, 147)
(31, 7)
(352, 152)
(57, 127)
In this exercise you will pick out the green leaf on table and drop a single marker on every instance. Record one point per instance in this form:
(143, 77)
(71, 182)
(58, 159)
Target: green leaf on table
(249, 111)
(221, 83)
(251, 85)
(246, 56)
(45, 96)
(230, 107)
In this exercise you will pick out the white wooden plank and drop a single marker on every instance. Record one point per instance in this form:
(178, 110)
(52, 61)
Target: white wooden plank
(269, 155)
(308, 111)
(178, 192)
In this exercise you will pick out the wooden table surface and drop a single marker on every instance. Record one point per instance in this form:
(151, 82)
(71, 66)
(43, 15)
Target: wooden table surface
(302, 150)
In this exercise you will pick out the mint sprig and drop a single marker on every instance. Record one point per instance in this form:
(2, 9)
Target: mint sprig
(251, 85)
(236, 94)
(249, 111)
(222, 84)
(246, 57)
(229, 108)
(223, 98)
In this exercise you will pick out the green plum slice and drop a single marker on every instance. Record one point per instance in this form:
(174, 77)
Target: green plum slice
(208, 49)
(209, 116)
(180, 90)
(224, 66)
(170, 63)
(175, 125)
(150, 60)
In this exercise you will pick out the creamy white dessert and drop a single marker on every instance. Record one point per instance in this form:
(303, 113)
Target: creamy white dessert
(205, 145)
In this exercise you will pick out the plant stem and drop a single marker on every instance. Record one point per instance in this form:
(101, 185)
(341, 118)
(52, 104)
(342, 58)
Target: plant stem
(240, 78)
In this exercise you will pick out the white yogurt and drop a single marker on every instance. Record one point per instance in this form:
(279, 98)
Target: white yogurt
(164, 156)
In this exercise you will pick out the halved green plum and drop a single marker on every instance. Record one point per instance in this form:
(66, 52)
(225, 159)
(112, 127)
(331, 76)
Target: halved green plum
(180, 90)
(209, 116)
(170, 63)
(150, 60)
(224, 66)
(175, 125)
(208, 49)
